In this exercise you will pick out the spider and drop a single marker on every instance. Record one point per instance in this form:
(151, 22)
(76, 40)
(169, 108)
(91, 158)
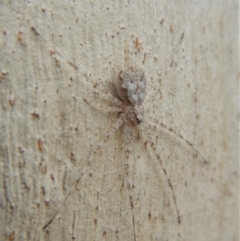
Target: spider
(131, 90)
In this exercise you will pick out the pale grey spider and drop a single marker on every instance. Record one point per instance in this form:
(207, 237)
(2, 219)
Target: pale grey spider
(131, 90)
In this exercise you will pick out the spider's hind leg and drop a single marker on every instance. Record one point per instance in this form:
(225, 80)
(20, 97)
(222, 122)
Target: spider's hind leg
(129, 184)
(157, 158)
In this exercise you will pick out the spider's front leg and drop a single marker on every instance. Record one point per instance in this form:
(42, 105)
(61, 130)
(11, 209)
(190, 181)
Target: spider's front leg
(101, 108)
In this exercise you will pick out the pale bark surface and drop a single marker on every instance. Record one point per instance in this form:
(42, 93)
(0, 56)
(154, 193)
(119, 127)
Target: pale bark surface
(55, 54)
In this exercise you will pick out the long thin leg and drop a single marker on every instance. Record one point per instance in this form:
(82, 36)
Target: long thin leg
(159, 161)
(104, 108)
(98, 147)
(109, 97)
(132, 209)
(172, 131)
(54, 52)
(129, 188)
(114, 128)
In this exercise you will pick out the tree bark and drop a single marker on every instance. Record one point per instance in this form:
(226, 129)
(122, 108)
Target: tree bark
(59, 62)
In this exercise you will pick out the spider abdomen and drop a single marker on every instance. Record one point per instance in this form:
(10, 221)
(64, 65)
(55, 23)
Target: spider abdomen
(132, 86)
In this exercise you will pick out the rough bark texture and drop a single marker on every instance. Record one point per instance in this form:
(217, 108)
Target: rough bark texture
(55, 54)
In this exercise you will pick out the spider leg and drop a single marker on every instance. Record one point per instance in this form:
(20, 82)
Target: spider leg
(170, 130)
(102, 94)
(98, 147)
(129, 186)
(110, 98)
(152, 150)
(130, 195)
(101, 108)
(114, 128)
